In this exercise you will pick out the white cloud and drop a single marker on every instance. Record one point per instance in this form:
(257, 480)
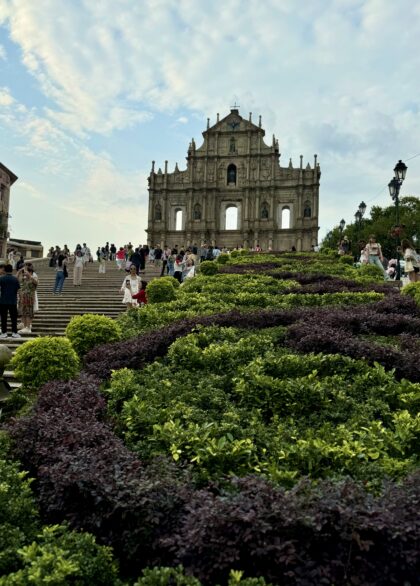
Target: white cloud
(339, 78)
(3, 53)
(6, 99)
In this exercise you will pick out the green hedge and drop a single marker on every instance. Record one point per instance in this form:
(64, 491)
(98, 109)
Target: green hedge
(209, 267)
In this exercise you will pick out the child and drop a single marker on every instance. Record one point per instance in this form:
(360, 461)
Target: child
(141, 295)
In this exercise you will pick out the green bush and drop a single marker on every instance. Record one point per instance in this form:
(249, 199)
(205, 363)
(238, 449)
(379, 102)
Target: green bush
(166, 577)
(346, 259)
(372, 271)
(222, 259)
(177, 577)
(18, 513)
(161, 290)
(413, 290)
(44, 359)
(90, 330)
(60, 556)
(208, 267)
(171, 280)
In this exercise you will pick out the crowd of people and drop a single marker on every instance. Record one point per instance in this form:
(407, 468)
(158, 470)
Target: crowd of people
(371, 253)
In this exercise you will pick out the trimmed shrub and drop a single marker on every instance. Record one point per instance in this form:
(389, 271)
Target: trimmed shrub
(90, 330)
(222, 259)
(171, 280)
(60, 556)
(413, 290)
(371, 271)
(208, 267)
(44, 359)
(161, 290)
(346, 259)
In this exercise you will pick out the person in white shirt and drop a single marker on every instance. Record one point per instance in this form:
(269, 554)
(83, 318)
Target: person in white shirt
(131, 285)
(79, 263)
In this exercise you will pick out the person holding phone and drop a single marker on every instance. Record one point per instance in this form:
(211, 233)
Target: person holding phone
(131, 286)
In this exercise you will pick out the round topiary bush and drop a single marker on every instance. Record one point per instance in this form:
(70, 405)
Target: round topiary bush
(172, 280)
(222, 258)
(161, 290)
(90, 330)
(44, 359)
(209, 267)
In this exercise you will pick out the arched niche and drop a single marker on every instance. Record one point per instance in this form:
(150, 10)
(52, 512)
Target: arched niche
(197, 212)
(307, 210)
(265, 211)
(158, 212)
(231, 174)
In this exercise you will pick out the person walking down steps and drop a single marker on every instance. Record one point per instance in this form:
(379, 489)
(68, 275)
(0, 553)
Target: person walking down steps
(79, 263)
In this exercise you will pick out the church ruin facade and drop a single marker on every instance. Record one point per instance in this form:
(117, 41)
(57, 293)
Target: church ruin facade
(235, 193)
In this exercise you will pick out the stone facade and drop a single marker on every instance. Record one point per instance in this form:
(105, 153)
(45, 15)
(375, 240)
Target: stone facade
(276, 207)
(7, 178)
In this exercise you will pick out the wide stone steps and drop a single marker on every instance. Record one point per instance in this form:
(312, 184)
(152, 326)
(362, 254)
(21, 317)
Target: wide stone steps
(98, 293)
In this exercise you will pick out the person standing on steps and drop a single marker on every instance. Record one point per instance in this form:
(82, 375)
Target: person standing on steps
(79, 263)
(9, 287)
(28, 285)
(61, 273)
(101, 260)
(131, 286)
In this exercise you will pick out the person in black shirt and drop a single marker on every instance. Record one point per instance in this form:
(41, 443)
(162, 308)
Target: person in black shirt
(9, 287)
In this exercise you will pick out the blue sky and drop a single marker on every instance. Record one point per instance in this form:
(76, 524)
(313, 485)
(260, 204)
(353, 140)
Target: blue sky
(92, 92)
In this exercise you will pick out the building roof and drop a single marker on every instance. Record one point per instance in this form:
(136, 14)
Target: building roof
(12, 176)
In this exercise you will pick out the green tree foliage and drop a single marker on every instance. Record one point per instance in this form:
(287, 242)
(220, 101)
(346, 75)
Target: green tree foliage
(381, 223)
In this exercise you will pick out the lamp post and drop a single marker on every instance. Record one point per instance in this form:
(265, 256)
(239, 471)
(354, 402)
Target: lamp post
(341, 226)
(394, 186)
(359, 217)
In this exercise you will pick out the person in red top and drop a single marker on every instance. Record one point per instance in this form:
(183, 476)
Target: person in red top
(141, 295)
(120, 258)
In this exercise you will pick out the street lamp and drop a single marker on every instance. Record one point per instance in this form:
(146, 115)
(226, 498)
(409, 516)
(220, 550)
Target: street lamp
(341, 226)
(394, 187)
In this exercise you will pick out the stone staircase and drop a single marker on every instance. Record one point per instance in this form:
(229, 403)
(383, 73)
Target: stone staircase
(99, 293)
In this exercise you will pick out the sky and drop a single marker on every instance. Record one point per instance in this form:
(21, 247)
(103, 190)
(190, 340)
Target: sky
(92, 91)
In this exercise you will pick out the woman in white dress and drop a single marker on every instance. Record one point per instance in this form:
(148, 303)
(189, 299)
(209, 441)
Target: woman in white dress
(131, 285)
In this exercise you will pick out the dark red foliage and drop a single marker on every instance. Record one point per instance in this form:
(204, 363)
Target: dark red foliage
(137, 352)
(333, 534)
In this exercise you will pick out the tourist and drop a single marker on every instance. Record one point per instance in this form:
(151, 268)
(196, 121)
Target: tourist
(141, 296)
(151, 255)
(29, 265)
(178, 267)
(412, 261)
(20, 263)
(61, 273)
(112, 251)
(11, 257)
(101, 254)
(9, 287)
(189, 269)
(144, 251)
(28, 285)
(165, 255)
(136, 260)
(78, 269)
(120, 258)
(373, 252)
(131, 285)
(216, 252)
(158, 256)
(344, 246)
